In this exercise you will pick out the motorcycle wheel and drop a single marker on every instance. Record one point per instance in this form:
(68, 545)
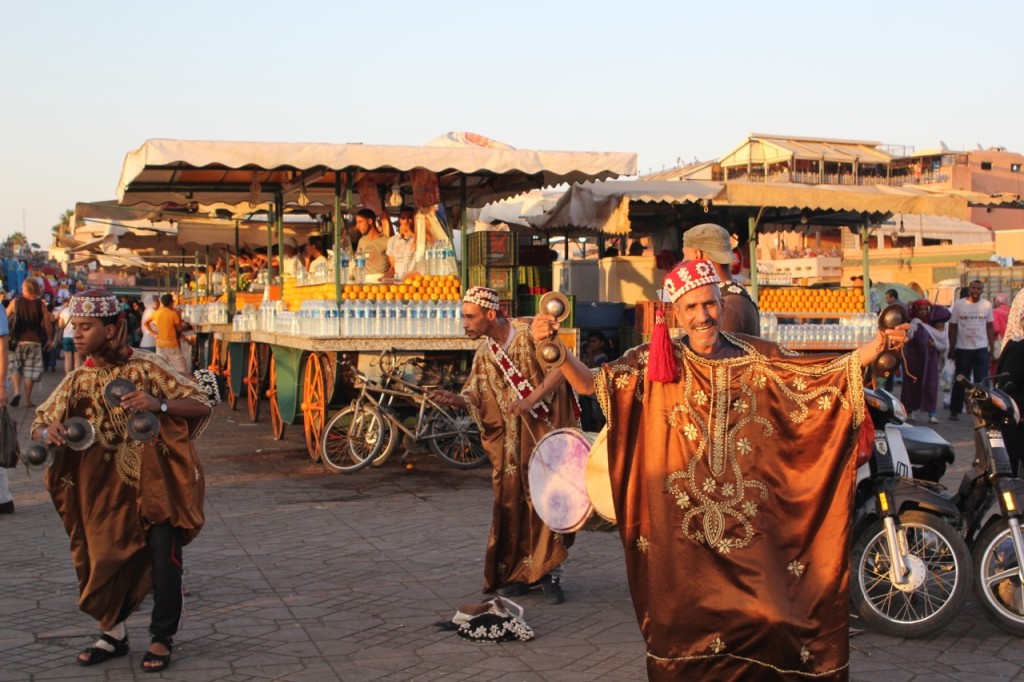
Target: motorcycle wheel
(997, 583)
(940, 578)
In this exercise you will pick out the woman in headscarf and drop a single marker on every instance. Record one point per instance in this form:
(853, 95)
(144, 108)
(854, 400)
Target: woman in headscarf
(922, 352)
(1011, 363)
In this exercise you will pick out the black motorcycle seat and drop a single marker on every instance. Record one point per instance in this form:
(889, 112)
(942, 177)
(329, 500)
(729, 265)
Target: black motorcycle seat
(924, 445)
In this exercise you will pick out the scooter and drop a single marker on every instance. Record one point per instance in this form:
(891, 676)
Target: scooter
(911, 568)
(990, 500)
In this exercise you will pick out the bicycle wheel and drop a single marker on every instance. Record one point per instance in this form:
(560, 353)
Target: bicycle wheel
(998, 584)
(455, 438)
(389, 441)
(937, 584)
(352, 438)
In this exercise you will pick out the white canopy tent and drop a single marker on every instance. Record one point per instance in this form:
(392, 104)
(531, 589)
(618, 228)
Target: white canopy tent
(207, 172)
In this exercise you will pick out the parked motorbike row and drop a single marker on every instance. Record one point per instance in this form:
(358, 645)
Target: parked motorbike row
(918, 550)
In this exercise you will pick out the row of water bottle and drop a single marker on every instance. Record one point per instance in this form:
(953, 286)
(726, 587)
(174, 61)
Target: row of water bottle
(848, 332)
(353, 269)
(325, 318)
(439, 258)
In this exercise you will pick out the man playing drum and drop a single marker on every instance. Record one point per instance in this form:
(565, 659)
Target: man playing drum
(731, 476)
(515, 403)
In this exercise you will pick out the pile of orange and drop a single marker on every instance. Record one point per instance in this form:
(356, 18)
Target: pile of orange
(413, 288)
(795, 300)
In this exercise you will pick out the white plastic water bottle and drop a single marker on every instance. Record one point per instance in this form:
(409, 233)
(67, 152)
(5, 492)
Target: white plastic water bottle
(458, 319)
(360, 273)
(346, 258)
(359, 329)
(393, 329)
(402, 314)
(443, 327)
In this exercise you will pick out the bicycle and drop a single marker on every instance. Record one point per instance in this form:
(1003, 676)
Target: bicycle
(368, 431)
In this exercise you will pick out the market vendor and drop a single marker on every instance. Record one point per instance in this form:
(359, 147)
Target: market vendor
(315, 253)
(401, 250)
(374, 244)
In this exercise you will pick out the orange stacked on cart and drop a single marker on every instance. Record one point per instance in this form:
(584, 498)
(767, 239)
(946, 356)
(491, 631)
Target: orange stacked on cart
(796, 300)
(413, 288)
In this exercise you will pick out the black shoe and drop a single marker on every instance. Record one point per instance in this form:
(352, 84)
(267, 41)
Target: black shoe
(513, 590)
(7, 507)
(953, 416)
(552, 590)
(15, 400)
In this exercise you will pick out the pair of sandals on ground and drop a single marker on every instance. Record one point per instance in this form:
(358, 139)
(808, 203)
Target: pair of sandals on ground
(108, 647)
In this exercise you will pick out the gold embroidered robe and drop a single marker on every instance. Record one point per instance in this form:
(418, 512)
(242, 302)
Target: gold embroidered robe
(110, 494)
(520, 547)
(733, 491)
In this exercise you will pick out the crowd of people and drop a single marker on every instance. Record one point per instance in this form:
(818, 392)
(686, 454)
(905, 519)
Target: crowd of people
(728, 454)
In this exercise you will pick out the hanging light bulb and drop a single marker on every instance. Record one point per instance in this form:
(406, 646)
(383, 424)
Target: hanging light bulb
(303, 197)
(395, 198)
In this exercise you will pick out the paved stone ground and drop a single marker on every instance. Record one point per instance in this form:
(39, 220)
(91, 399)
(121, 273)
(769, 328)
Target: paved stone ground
(305, 575)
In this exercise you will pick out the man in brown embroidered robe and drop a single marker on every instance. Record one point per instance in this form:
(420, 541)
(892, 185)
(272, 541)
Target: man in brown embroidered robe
(128, 506)
(732, 486)
(515, 404)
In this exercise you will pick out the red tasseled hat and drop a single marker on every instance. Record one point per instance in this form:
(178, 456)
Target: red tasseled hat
(687, 276)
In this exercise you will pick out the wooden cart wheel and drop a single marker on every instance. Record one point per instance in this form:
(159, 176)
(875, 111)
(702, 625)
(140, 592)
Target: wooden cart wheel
(252, 382)
(232, 397)
(215, 358)
(276, 421)
(314, 402)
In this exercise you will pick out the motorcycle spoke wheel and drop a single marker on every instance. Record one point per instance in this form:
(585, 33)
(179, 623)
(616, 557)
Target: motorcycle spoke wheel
(998, 584)
(455, 438)
(352, 439)
(939, 580)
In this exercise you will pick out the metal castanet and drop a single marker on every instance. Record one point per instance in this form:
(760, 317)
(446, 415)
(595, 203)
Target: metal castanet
(142, 426)
(551, 352)
(886, 362)
(79, 434)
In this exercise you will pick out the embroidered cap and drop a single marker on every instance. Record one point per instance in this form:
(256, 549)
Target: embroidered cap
(689, 275)
(483, 297)
(94, 303)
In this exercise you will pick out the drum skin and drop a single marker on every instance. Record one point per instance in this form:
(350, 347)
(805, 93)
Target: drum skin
(599, 483)
(558, 479)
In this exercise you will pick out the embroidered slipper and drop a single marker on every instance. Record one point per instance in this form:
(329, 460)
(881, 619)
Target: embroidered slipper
(159, 662)
(97, 654)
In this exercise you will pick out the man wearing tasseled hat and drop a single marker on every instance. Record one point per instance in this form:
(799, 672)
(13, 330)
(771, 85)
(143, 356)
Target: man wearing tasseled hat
(732, 477)
(127, 505)
(515, 403)
(711, 242)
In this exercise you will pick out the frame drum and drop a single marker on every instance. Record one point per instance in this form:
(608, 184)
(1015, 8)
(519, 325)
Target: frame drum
(557, 478)
(599, 484)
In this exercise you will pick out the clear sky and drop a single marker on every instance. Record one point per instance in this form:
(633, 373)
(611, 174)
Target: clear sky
(83, 82)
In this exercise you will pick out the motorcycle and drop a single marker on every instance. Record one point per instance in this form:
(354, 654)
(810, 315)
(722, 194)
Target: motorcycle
(911, 568)
(990, 500)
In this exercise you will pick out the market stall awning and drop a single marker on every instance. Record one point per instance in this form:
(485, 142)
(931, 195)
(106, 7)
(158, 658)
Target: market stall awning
(944, 228)
(206, 172)
(869, 199)
(604, 206)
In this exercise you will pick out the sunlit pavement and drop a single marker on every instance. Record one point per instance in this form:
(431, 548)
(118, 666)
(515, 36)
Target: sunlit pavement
(305, 575)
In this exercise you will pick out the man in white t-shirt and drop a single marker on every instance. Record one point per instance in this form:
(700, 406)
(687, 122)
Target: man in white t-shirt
(971, 336)
(401, 250)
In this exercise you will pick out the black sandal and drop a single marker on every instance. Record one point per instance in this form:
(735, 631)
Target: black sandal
(97, 654)
(163, 661)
